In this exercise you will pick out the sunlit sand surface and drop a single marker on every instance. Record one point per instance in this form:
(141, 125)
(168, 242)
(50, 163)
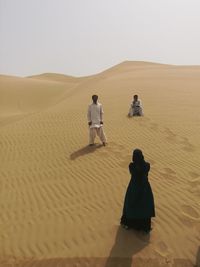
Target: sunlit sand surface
(61, 201)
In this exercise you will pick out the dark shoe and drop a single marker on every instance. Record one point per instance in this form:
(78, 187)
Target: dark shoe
(147, 231)
(104, 143)
(125, 226)
(91, 144)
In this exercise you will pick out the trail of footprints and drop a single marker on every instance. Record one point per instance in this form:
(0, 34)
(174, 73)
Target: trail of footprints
(120, 150)
(191, 212)
(170, 136)
(190, 215)
(175, 139)
(168, 174)
(194, 184)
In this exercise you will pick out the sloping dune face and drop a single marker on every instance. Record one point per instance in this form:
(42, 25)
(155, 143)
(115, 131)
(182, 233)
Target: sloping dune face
(57, 77)
(22, 96)
(61, 201)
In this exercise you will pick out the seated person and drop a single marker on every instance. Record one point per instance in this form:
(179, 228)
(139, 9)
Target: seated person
(136, 107)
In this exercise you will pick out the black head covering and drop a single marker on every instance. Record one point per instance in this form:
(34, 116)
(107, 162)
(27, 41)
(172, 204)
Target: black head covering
(138, 162)
(138, 156)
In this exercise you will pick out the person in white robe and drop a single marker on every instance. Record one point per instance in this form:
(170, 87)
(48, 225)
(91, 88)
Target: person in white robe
(95, 121)
(136, 107)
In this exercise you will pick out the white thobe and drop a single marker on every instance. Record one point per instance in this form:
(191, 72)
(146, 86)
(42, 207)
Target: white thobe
(95, 115)
(136, 108)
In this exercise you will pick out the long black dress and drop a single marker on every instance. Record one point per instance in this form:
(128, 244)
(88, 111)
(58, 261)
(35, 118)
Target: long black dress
(139, 202)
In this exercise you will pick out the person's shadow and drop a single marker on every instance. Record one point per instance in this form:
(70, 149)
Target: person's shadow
(85, 150)
(127, 244)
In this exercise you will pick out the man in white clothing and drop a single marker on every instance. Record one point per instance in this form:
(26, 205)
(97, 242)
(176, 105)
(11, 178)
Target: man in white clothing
(95, 121)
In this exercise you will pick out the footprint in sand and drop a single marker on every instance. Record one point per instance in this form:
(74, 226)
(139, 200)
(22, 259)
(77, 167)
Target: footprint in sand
(187, 146)
(194, 175)
(195, 191)
(186, 221)
(162, 249)
(170, 136)
(168, 173)
(194, 183)
(190, 212)
(190, 217)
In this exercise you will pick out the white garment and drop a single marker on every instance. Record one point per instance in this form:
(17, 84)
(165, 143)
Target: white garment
(136, 108)
(96, 131)
(95, 115)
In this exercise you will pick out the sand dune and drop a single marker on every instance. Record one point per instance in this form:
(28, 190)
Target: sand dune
(58, 77)
(22, 96)
(61, 201)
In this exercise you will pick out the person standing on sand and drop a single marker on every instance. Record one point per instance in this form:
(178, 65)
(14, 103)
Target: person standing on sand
(139, 202)
(95, 121)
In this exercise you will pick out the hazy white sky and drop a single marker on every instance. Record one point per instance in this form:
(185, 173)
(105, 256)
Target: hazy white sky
(83, 37)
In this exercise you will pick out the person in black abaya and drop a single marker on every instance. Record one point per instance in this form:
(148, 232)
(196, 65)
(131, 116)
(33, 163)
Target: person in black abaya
(139, 202)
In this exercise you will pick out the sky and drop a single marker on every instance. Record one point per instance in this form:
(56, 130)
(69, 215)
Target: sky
(84, 37)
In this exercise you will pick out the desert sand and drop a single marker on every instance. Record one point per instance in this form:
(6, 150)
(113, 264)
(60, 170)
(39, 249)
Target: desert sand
(61, 201)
